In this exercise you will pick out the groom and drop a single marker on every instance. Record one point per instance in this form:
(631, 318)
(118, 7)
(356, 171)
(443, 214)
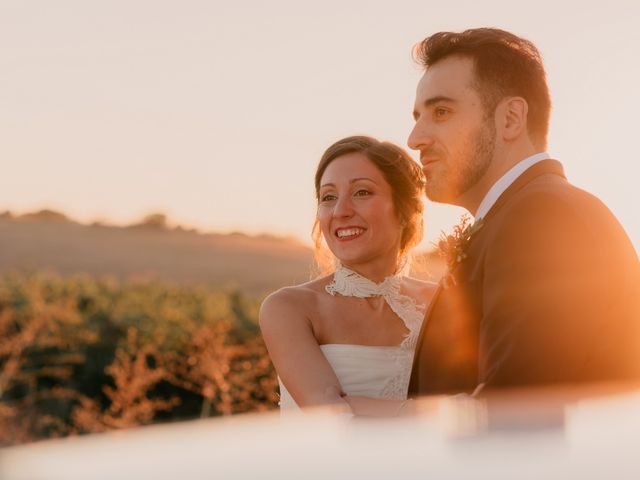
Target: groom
(545, 287)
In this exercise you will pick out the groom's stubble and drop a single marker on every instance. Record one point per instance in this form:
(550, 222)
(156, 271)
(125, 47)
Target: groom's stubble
(465, 169)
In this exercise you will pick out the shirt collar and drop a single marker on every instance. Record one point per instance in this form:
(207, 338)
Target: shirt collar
(505, 181)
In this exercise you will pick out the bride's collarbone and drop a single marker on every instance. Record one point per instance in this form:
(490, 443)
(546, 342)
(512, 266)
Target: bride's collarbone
(355, 308)
(370, 305)
(358, 322)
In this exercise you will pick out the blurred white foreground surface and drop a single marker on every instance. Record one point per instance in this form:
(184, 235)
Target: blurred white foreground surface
(538, 436)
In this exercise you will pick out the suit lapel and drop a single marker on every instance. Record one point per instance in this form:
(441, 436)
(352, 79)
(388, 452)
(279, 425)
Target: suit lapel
(417, 354)
(544, 167)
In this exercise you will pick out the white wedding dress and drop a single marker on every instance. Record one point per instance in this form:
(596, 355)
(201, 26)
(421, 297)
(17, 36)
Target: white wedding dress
(370, 371)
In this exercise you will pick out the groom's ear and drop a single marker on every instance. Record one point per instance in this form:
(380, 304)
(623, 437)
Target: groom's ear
(512, 117)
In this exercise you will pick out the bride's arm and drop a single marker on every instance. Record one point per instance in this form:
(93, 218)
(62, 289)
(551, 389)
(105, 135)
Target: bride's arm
(374, 407)
(295, 353)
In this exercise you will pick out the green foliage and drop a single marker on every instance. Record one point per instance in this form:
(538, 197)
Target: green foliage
(83, 355)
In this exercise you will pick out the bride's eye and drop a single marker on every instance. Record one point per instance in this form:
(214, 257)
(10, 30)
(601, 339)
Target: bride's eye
(328, 197)
(362, 193)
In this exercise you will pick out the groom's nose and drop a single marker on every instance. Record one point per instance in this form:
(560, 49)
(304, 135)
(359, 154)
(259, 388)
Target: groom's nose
(419, 138)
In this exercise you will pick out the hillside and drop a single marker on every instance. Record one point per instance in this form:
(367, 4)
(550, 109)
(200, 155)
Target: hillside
(257, 264)
(48, 240)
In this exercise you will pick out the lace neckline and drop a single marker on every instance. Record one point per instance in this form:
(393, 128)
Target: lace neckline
(348, 283)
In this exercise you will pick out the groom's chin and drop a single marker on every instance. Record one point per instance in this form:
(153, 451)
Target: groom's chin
(439, 195)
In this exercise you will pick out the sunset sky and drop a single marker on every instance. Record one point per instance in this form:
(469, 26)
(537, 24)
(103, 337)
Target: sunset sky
(216, 113)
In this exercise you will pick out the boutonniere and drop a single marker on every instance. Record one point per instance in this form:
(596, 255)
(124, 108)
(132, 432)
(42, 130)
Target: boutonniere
(453, 247)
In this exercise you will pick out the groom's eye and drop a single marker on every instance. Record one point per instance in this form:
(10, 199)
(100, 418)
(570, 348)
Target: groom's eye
(440, 113)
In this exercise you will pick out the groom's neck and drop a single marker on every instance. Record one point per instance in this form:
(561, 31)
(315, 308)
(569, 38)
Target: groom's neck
(505, 157)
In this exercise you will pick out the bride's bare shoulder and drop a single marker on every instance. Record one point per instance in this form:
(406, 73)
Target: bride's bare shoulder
(299, 294)
(294, 301)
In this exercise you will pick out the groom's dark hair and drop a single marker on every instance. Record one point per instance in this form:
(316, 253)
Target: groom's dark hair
(505, 65)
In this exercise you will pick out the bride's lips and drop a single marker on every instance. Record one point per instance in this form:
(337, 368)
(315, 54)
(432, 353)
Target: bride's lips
(345, 234)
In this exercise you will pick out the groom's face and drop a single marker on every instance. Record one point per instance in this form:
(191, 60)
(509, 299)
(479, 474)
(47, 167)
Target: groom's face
(452, 132)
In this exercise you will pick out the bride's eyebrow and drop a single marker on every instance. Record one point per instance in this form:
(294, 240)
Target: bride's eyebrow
(353, 180)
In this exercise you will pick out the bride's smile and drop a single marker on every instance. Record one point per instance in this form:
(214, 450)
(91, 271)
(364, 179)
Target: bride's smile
(349, 233)
(357, 215)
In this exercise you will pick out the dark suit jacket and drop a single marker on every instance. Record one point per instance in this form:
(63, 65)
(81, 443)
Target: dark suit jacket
(549, 293)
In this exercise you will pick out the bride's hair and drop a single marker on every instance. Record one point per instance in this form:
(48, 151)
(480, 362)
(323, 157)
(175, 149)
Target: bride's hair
(403, 175)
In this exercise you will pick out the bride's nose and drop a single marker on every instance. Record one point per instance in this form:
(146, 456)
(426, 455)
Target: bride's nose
(343, 207)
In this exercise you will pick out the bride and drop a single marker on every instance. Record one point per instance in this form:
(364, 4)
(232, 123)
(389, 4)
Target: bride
(348, 338)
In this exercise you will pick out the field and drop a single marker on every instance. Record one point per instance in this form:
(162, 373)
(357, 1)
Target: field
(104, 328)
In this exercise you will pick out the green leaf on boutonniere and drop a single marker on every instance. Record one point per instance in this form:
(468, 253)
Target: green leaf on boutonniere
(453, 247)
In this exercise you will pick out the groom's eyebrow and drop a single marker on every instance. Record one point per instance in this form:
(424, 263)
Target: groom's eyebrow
(429, 102)
(437, 99)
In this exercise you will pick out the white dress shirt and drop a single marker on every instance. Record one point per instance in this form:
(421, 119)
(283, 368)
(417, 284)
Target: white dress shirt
(505, 182)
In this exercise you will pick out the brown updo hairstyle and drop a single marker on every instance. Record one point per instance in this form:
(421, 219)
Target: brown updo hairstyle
(401, 172)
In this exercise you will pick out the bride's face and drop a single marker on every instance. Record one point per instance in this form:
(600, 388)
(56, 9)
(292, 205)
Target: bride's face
(356, 212)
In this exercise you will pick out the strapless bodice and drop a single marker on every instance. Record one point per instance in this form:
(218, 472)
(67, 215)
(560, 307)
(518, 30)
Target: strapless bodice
(363, 370)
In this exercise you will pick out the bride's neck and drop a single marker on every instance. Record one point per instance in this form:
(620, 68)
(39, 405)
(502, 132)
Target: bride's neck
(375, 271)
